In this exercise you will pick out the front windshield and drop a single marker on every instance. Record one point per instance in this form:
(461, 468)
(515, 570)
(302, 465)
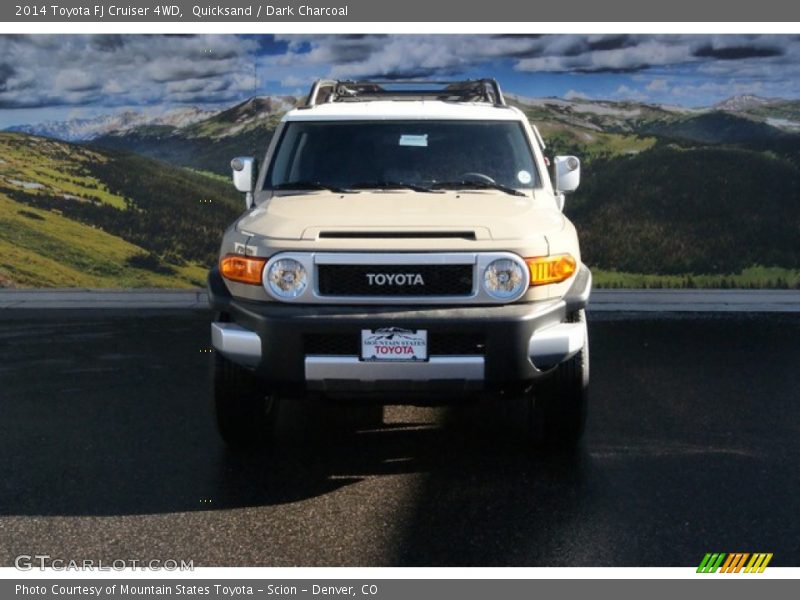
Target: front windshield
(377, 154)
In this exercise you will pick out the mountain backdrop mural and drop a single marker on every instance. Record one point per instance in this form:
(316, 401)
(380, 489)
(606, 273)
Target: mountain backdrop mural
(114, 152)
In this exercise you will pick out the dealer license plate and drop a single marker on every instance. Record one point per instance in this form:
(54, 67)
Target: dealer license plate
(394, 343)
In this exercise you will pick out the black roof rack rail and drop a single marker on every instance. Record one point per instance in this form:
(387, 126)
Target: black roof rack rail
(470, 90)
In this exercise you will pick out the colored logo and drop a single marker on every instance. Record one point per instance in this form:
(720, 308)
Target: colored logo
(737, 562)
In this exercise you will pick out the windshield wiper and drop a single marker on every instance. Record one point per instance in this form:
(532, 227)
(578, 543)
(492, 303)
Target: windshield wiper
(312, 185)
(396, 185)
(481, 185)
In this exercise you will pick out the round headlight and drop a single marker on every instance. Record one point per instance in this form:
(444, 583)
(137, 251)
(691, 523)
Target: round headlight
(504, 278)
(287, 278)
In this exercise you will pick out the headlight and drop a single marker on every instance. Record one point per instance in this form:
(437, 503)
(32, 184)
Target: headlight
(504, 278)
(287, 278)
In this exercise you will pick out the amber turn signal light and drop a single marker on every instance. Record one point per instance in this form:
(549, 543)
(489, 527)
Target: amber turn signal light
(244, 269)
(551, 269)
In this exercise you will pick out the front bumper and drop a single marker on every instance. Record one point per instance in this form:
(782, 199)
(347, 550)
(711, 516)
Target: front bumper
(520, 341)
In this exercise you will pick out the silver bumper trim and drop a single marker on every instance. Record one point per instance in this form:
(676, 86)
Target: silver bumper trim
(555, 344)
(236, 343)
(333, 368)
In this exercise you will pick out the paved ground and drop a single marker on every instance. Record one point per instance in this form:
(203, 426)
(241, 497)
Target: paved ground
(107, 450)
(603, 300)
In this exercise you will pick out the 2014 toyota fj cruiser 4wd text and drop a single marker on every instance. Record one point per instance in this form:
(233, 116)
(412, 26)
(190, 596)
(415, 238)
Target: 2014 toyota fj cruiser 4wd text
(402, 242)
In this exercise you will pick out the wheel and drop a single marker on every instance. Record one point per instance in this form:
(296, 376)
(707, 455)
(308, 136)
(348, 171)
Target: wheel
(559, 405)
(246, 411)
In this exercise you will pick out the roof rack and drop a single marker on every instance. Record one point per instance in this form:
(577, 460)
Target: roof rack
(470, 90)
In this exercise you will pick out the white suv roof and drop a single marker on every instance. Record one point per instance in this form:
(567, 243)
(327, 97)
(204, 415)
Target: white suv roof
(372, 110)
(472, 99)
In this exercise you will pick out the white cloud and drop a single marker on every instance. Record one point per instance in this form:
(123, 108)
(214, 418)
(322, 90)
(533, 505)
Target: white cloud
(74, 80)
(379, 55)
(123, 69)
(644, 54)
(294, 80)
(403, 55)
(627, 93)
(576, 95)
(113, 86)
(657, 85)
(130, 70)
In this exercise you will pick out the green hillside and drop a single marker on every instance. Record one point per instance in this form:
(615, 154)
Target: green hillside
(670, 197)
(714, 128)
(591, 145)
(677, 210)
(72, 216)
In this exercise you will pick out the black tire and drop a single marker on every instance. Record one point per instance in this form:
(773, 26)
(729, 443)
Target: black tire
(246, 410)
(560, 403)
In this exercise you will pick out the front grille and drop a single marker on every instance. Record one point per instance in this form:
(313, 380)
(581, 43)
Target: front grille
(439, 344)
(394, 280)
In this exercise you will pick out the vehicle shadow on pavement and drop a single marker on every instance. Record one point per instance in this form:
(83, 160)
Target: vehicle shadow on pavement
(116, 459)
(492, 500)
(113, 416)
(478, 486)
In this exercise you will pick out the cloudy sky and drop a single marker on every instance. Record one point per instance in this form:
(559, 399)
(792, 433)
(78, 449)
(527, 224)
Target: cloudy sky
(67, 76)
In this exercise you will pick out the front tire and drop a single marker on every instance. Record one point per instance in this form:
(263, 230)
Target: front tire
(559, 405)
(246, 411)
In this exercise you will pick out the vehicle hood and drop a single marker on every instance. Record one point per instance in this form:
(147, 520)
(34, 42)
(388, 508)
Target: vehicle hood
(490, 215)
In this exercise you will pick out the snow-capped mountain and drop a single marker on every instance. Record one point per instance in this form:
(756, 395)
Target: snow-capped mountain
(135, 130)
(77, 130)
(181, 117)
(252, 113)
(743, 102)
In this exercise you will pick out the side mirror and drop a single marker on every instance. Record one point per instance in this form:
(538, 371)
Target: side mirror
(243, 176)
(567, 172)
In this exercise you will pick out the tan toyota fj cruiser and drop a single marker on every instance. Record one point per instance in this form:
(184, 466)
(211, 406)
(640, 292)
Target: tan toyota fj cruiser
(402, 243)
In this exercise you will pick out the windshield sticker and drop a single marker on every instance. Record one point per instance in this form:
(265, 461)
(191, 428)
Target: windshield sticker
(421, 141)
(524, 177)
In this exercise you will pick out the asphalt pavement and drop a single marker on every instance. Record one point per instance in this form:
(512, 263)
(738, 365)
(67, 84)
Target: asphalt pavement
(603, 300)
(108, 451)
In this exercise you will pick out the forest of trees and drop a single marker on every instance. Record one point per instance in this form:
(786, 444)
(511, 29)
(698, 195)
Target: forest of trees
(683, 209)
